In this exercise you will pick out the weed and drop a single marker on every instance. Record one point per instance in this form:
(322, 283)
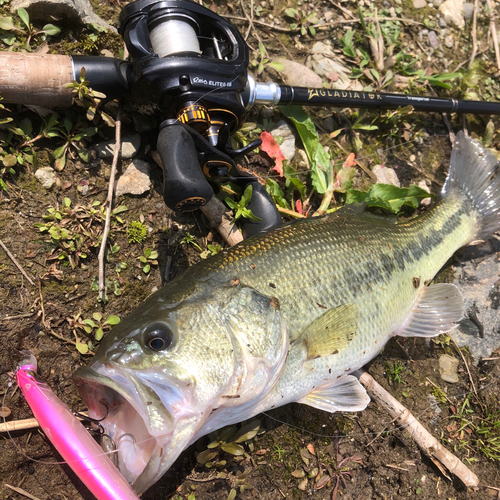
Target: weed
(189, 240)
(395, 371)
(488, 431)
(22, 34)
(74, 232)
(210, 251)
(439, 395)
(264, 61)
(92, 328)
(228, 440)
(302, 21)
(136, 232)
(148, 259)
(240, 207)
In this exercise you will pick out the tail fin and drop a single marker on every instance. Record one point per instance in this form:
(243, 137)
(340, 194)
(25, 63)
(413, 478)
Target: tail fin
(476, 172)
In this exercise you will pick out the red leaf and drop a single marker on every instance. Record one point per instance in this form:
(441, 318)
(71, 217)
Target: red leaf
(272, 148)
(298, 206)
(350, 162)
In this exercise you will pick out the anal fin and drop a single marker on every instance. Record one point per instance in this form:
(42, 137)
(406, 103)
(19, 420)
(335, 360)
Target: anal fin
(343, 394)
(438, 310)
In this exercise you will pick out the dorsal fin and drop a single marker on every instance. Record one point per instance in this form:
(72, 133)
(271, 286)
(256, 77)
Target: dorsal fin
(438, 310)
(331, 332)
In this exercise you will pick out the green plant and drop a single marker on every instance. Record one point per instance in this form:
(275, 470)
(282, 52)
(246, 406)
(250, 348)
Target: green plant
(189, 240)
(76, 231)
(240, 207)
(488, 431)
(89, 99)
(148, 259)
(210, 251)
(11, 30)
(73, 132)
(92, 328)
(136, 232)
(302, 20)
(395, 371)
(228, 440)
(264, 61)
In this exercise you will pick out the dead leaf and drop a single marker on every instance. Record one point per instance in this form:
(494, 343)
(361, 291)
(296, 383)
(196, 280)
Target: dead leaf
(272, 148)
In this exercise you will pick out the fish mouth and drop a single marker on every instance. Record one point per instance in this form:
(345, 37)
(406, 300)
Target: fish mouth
(134, 419)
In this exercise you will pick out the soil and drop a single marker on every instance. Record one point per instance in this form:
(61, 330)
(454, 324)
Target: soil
(297, 446)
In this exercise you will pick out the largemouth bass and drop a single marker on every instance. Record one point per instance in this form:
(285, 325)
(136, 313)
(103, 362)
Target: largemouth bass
(284, 316)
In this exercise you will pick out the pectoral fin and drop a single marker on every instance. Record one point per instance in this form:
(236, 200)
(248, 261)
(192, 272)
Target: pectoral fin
(343, 394)
(438, 310)
(331, 332)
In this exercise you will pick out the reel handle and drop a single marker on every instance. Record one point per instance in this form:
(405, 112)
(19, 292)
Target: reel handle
(185, 188)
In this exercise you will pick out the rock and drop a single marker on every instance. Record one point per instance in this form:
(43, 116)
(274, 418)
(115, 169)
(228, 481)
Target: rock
(386, 175)
(323, 62)
(130, 147)
(448, 366)
(419, 4)
(67, 10)
(433, 39)
(298, 75)
(442, 23)
(135, 180)
(449, 41)
(46, 176)
(452, 12)
(476, 274)
(288, 145)
(437, 3)
(468, 11)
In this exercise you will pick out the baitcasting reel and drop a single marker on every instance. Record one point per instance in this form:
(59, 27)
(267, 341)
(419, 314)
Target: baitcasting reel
(190, 65)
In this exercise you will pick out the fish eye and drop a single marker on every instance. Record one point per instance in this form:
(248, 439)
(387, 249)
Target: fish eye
(158, 337)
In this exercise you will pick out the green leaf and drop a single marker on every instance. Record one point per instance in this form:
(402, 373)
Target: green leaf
(112, 320)
(99, 334)
(81, 347)
(232, 494)
(146, 268)
(51, 30)
(247, 431)
(9, 160)
(90, 322)
(7, 38)
(7, 24)
(97, 316)
(59, 152)
(233, 448)
(277, 66)
(25, 18)
(322, 171)
(205, 456)
(292, 178)
(273, 188)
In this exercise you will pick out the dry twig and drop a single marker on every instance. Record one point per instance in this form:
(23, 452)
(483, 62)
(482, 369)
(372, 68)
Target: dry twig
(474, 34)
(21, 491)
(493, 29)
(109, 204)
(13, 259)
(427, 443)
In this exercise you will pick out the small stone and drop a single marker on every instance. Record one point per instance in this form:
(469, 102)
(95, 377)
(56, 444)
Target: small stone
(412, 158)
(437, 3)
(46, 176)
(297, 74)
(419, 4)
(448, 41)
(442, 23)
(4, 412)
(433, 39)
(386, 175)
(287, 147)
(452, 12)
(448, 368)
(468, 11)
(130, 147)
(135, 180)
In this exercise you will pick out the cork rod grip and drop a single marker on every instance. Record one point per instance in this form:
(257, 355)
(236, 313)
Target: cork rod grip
(35, 79)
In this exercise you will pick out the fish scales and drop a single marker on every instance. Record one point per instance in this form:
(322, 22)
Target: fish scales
(284, 316)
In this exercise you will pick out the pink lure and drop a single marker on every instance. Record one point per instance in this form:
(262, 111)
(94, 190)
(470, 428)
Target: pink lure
(71, 439)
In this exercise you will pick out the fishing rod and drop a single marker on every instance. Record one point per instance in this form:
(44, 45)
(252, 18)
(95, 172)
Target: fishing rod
(189, 66)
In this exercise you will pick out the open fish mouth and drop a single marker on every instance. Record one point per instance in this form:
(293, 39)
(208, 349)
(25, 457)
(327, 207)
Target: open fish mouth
(138, 425)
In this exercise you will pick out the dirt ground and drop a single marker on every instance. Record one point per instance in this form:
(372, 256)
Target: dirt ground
(297, 447)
